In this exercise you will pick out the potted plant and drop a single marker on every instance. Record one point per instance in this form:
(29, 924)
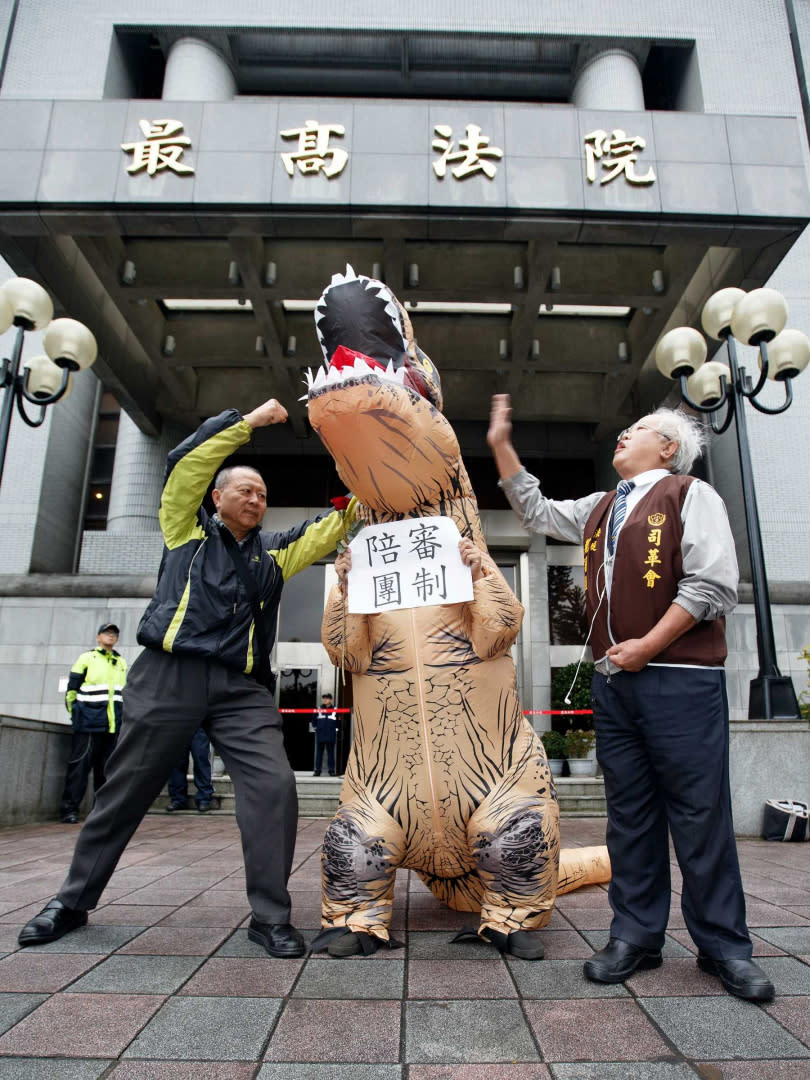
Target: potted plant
(578, 747)
(554, 745)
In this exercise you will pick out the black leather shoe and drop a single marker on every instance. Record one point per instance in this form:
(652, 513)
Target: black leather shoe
(740, 977)
(618, 960)
(279, 939)
(54, 921)
(204, 807)
(175, 805)
(70, 819)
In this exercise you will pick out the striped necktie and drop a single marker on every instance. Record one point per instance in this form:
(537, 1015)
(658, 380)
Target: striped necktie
(619, 512)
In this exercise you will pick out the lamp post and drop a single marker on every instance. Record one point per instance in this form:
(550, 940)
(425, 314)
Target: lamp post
(44, 380)
(756, 318)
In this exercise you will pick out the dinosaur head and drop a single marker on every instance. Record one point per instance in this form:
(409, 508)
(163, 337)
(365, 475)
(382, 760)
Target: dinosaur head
(363, 315)
(376, 403)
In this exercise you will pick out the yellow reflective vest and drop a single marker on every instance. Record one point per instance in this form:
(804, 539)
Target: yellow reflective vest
(94, 693)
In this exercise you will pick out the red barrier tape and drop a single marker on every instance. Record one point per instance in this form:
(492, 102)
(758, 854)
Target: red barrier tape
(312, 710)
(558, 712)
(526, 712)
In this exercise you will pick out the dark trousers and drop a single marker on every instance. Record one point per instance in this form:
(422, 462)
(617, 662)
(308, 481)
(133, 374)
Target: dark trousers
(89, 751)
(330, 756)
(200, 750)
(165, 699)
(662, 742)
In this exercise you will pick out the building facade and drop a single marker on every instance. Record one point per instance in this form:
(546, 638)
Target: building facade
(548, 191)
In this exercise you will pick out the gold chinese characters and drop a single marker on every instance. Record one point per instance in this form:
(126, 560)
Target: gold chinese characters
(617, 153)
(161, 148)
(314, 153)
(607, 156)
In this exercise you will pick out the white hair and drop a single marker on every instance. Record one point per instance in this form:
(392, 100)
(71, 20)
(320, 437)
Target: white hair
(687, 432)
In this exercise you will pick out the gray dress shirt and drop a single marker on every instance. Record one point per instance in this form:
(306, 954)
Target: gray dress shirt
(708, 588)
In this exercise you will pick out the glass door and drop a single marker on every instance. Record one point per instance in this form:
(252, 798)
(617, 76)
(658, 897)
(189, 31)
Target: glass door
(298, 690)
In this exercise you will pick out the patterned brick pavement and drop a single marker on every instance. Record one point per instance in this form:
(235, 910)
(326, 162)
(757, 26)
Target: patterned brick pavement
(163, 983)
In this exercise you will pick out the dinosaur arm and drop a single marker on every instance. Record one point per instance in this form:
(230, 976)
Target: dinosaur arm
(345, 637)
(494, 614)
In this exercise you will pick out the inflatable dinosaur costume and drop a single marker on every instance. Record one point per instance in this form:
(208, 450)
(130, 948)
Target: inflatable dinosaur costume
(446, 776)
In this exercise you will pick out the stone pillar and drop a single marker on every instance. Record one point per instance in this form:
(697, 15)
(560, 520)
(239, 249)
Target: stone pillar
(62, 495)
(198, 69)
(537, 634)
(140, 462)
(608, 77)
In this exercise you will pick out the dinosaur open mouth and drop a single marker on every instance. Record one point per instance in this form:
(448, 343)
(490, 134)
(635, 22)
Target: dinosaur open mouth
(348, 368)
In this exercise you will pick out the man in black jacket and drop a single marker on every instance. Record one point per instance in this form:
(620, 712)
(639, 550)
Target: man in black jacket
(204, 663)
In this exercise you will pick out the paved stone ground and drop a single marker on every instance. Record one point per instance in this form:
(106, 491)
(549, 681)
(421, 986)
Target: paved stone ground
(164, 985)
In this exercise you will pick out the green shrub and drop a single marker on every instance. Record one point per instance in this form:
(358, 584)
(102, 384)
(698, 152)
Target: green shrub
(578, 744)
(580, 695)
(554, 743)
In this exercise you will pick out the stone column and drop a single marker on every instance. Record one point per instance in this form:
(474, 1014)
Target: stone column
(140, 462)
(61, 497)
(199, 69)
(536, 652)
(608, 77)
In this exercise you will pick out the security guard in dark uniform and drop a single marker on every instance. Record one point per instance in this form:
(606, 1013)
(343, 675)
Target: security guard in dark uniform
(204, 663)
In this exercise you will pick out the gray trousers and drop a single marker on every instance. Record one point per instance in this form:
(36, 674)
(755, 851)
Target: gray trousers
(167, 697)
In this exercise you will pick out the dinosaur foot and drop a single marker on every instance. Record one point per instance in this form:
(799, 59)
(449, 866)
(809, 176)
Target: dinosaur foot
(340, 942)
(525, 944)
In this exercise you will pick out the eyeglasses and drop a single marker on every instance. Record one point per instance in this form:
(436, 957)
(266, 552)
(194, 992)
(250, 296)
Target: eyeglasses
(644, 427)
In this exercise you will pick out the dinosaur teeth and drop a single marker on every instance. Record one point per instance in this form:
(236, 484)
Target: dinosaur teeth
(342, 279)
(360, 369)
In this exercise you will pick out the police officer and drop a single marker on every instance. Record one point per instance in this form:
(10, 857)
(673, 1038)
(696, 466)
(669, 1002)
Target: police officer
(94, 701)
(326, 725)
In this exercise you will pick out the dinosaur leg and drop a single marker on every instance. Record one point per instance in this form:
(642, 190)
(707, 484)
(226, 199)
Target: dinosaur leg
(514, 838)
(362, 849)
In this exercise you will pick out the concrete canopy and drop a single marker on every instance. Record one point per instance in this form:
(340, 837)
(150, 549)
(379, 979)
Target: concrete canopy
(167, 354)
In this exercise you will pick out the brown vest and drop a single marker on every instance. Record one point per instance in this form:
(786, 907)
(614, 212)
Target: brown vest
(646, 571)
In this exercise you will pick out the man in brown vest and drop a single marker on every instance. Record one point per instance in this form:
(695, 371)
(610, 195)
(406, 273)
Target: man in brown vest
(660, 575)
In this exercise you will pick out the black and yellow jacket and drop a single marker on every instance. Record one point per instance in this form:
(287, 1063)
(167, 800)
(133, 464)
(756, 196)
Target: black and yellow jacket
(94, 691)
(200, 607)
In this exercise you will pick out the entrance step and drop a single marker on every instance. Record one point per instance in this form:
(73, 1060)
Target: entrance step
(318, 796)
(581, 796)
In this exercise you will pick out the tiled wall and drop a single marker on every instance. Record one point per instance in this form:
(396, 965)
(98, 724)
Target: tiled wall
(41, 637)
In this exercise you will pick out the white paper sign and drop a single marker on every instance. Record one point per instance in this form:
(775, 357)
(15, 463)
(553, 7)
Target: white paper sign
(405, 564)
